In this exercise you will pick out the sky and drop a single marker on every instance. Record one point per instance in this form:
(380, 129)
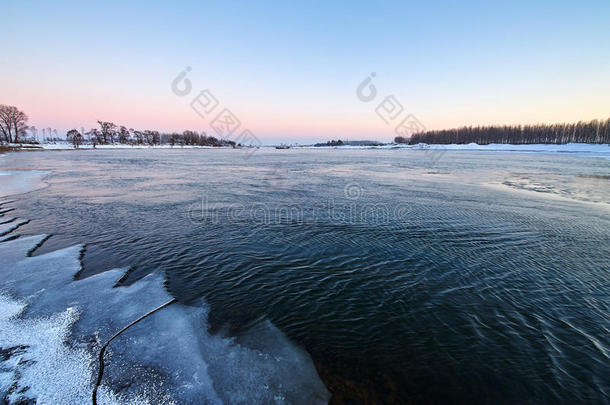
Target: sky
(290, 72)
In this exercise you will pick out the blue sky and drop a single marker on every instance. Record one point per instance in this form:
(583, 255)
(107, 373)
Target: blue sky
(289, 71)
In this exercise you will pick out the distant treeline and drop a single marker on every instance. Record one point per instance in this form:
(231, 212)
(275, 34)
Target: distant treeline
(350, 143)
(109, 133)
(330, 143)
(14, 128)
(596, 131)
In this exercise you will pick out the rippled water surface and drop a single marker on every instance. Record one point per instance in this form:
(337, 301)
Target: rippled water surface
(474, 278)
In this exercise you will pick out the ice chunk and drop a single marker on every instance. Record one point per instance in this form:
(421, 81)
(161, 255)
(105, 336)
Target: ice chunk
(8, 237)
(15, 250)
(286, 372)
(11, 226)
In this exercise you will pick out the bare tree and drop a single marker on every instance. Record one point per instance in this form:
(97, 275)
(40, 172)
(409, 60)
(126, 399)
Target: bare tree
(151, 137)
(75, 137)
(94, 136)
(13, 123)
(108, 131)
(34, 132)
(124, 134)
(596, 131)
(138, 135)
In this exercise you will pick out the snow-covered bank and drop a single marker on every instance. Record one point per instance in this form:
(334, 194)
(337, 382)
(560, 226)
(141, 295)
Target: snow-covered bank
(52, 327)
(549, 148)
(66, 145)
(569, 147)
(69, 146)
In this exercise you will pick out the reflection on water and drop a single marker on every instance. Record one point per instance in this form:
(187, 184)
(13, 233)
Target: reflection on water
(483, 278)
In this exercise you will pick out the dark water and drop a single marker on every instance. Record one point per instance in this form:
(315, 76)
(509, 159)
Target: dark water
(479, 278)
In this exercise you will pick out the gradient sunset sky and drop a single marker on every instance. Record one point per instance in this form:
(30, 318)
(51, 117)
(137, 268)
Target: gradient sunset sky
(289, 71)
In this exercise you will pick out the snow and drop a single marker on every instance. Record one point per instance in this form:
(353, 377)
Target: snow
(541, 148)
(66, 145)
(569, 147)
(43, 359)
(52, 327)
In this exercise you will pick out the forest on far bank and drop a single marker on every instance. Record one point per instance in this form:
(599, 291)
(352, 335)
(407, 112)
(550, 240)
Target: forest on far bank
(596, 131)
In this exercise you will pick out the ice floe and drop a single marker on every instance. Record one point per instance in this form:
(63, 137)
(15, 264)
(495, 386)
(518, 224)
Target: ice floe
(9, 226)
